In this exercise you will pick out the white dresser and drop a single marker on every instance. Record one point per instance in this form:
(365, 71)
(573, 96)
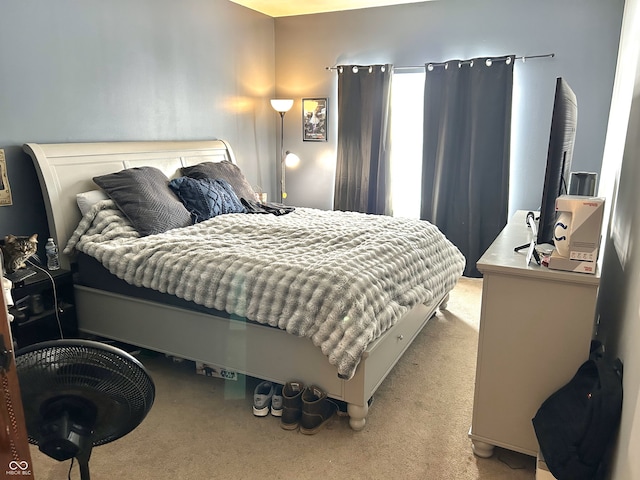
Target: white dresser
(536, 326)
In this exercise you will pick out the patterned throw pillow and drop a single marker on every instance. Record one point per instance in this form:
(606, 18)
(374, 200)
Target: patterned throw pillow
(227, 171)
(143, 195)
(206, 198)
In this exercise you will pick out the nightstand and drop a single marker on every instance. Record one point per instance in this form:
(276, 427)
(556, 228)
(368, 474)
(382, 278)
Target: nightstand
(34, 308)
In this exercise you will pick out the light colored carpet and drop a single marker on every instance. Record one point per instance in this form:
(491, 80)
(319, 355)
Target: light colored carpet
(203, 428)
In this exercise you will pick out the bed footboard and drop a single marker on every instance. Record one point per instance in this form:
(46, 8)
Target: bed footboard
(244, 347)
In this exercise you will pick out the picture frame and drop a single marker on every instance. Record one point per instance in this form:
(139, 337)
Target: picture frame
(315, 115)
(5, 189)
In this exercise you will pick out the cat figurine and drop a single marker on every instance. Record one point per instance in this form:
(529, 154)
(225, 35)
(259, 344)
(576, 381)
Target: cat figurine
(17, 249)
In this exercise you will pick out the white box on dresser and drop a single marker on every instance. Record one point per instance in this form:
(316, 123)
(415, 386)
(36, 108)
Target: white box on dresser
(535, 331)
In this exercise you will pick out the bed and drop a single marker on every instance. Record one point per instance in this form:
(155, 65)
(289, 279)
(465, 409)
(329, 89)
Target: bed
(240, 334)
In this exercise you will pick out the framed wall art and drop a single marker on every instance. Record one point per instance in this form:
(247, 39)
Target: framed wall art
(5, 189)
(314, 119)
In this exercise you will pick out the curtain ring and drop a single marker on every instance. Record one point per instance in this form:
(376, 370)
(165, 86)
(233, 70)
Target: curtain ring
(383, 69)
(471, 63)
(370, 68)
(508, 61)
(430, 67)
(488, 62)
(340, 69)
(355, 69)
(446, 66)
(459, 64)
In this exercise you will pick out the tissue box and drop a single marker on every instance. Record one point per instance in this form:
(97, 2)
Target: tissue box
(584, 240)
(558, 262)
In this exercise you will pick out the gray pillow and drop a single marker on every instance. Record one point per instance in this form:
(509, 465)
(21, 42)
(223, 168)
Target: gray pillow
(144, 196)
(227, 171)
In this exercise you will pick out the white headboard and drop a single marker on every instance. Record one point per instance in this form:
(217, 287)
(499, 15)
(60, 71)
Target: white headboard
(66, 169)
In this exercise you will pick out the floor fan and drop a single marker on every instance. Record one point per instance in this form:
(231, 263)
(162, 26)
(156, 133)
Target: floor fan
(78, 394)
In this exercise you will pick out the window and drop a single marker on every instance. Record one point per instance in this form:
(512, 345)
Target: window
(407, 95)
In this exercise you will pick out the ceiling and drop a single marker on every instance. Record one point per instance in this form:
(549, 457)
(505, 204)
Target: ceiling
(285, 8)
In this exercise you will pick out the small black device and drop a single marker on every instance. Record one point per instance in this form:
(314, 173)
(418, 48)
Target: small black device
(20, 275)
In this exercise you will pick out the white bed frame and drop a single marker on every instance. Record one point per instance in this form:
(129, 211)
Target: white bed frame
(65, 170)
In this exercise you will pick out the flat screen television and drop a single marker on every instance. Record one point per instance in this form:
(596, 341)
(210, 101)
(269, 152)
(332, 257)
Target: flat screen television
(561, 140)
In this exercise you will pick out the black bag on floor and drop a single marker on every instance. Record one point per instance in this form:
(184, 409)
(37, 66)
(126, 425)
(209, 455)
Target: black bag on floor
(575, 425)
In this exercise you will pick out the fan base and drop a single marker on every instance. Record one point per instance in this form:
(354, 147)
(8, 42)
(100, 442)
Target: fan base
(67, 427)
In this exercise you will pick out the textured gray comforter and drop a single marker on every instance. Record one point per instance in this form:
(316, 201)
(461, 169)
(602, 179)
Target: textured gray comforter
(338, 278)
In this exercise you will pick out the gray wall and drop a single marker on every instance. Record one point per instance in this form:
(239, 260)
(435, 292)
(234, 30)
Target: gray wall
(618, 300)
(89, 71)
(74, 71)
(582, 33)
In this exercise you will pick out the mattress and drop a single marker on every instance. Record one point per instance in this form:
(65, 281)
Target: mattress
(91, 273)
(340, 279)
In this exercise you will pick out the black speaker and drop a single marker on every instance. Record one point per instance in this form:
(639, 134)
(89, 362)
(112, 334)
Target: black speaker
(583, 183)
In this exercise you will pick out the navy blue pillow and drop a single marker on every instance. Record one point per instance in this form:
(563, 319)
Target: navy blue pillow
(206, 198)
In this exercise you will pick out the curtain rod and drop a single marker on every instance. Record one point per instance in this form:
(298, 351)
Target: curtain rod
(411, 67)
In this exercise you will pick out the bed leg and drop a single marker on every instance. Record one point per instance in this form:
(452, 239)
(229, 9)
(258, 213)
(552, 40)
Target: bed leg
(444, 302)
(357, 416)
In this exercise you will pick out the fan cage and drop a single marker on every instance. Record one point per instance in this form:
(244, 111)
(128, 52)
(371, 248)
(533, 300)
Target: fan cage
(116, 382)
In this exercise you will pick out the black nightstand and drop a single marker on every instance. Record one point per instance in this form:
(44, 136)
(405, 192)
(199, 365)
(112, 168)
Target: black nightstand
(34, 308)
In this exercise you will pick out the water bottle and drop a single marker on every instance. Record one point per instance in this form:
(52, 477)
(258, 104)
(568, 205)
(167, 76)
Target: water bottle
(53, 262)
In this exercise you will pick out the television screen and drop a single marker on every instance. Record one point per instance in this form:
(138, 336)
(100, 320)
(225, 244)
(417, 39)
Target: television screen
(561, 141)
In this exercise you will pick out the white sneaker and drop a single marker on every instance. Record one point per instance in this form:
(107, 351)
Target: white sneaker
(262, 396)
(277, 401)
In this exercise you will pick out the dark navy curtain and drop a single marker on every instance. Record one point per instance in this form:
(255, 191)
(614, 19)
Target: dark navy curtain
(466, 144)
(362, 182)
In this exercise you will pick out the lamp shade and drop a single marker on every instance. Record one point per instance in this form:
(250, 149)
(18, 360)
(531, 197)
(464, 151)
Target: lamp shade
(291, 160)
(281, 104)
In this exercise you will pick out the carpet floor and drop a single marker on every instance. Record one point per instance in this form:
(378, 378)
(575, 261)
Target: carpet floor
(203, 428)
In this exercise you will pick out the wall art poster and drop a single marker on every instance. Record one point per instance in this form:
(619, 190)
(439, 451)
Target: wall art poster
(314, 119)
(5, 190)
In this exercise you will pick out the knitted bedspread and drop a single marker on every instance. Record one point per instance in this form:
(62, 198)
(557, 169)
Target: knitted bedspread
(339, 278)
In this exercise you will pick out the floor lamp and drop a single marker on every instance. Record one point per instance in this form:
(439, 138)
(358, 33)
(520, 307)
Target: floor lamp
(282, 106)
